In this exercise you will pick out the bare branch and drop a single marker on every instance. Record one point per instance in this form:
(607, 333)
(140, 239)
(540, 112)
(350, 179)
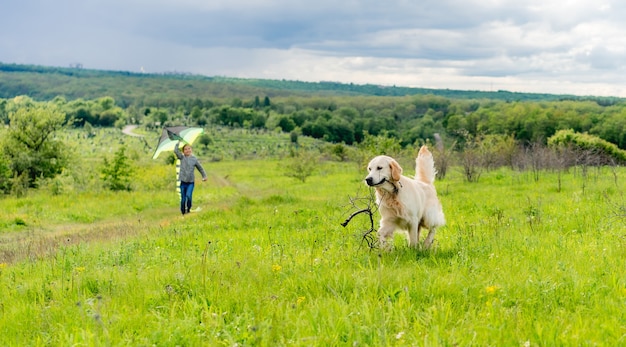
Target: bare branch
(618, 210)
(369, 209)
(365, 210)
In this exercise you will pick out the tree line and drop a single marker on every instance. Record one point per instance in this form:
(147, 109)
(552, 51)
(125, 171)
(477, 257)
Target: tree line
(408, 119)
(476, 134)
(45, 83)
(481, 130)
(335, 112)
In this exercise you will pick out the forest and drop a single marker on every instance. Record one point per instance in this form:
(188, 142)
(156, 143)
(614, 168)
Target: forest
(494, 125)
(334, 112)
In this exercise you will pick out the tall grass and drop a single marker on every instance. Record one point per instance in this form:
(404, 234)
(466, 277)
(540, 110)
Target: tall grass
(267, 263)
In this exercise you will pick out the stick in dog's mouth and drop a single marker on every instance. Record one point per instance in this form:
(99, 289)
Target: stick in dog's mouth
(371, 184)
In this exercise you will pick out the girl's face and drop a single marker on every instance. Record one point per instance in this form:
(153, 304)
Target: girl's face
(187, 150)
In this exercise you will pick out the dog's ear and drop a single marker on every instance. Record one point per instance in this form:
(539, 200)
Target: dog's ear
(396, 170)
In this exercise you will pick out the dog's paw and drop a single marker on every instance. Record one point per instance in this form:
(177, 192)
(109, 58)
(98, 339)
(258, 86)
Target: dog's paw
(385, 246)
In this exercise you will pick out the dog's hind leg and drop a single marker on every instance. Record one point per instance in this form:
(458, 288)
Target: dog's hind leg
(430, 238)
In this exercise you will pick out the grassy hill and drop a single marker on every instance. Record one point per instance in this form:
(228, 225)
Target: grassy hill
(535, 260)
(44, 83)
(266, 261)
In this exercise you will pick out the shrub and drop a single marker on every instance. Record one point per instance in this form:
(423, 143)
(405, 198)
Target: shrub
(30, 145)
(586, 142)
(301, 166)
(117, 174)
(5, 175)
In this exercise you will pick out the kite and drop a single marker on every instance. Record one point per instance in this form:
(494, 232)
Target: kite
(170, 136)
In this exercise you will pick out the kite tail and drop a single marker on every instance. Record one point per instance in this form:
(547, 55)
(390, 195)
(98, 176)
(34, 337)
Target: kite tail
(178, 177)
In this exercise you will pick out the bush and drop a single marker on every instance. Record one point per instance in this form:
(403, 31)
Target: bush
(117, 175)
(301, 166)
(30, 145)
(586, 142)
(5, 175)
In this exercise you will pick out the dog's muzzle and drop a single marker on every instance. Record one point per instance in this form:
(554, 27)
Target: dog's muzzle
(370, 182)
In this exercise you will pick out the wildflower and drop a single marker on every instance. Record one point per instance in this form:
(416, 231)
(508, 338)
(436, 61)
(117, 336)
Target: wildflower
(300, 300)
(79, 269)
(399, 335)
(3, 266)
(276, 267)
(491, 289)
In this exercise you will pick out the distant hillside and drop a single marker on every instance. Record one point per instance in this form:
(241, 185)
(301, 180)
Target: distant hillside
(45, 83)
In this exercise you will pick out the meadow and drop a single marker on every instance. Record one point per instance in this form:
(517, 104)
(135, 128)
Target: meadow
(266, 262)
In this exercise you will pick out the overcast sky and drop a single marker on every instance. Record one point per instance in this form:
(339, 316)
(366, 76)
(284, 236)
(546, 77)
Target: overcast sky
(543, 46)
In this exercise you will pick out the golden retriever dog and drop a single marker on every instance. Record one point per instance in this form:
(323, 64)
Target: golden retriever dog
(406, 203)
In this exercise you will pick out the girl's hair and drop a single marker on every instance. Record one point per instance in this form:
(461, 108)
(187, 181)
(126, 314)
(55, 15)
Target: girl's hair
(186, 145)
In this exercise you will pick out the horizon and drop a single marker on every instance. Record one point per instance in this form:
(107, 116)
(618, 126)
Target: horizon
(183, 73)
(536, 46)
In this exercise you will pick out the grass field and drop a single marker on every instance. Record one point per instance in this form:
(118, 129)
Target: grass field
(266, 262)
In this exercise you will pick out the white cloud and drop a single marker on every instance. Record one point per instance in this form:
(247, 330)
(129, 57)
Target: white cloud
(564, 46)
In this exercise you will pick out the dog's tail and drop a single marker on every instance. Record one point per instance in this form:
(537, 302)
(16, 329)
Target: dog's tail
(425, 166)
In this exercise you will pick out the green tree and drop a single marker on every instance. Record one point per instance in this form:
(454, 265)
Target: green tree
(160, 116)
(30, 144)
(293, 136)
(612, 129)
(205, 140)
(117, 174)
(347, 113)
(5, 175)
(4, 117)
(340, 130)
(380, 144)
(82, 116)
(196, 113)
(286, 124)
(316, 129)
(106, 103)
(108, 118)
(301, 165)
(89, 130)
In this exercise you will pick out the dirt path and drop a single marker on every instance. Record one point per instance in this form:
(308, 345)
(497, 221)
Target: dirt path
(44, 241)
(128, 130)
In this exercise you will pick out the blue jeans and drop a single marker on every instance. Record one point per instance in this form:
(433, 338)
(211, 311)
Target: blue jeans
(186, 191)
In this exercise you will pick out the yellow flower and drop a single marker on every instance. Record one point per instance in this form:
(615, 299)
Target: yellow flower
(491, 289)
(276, 267)
(3, 266)
(79, 269)
(300, 300)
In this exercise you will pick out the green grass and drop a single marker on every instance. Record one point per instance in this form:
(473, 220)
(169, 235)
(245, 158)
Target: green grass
(267, 263)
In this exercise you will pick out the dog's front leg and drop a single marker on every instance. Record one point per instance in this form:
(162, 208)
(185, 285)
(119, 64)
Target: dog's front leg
(414, 234)
(384, 234)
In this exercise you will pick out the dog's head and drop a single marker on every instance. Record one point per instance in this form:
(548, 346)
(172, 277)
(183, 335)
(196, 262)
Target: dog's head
(382, 169)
